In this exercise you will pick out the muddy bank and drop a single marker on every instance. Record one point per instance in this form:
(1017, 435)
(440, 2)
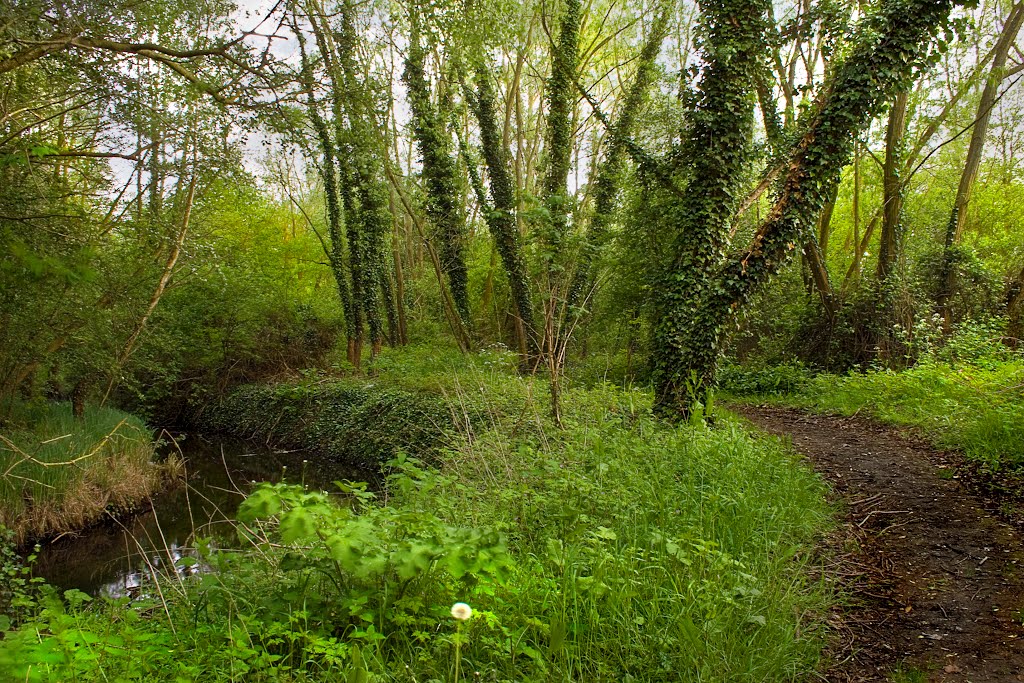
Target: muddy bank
(118, 557)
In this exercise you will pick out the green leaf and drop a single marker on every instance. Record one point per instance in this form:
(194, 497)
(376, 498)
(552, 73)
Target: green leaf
(296, 525)
(261, 504)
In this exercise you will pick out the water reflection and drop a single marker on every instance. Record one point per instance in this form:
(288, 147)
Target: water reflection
(119, 558)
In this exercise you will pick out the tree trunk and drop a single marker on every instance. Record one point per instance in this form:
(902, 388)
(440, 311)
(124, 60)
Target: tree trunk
(334, 249)
(686, 346)
(444, 204)
(858, 251)
(891, 239)
(78, 395)
(396, 254)
(609, 174)
(690, 333)
(501, 219)
(892, 187)
(1015, 312)
(560, 95)
(815, 254)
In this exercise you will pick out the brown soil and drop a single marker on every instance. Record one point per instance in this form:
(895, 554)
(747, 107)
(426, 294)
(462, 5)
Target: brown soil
(934, 577)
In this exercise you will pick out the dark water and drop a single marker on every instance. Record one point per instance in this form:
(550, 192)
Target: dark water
(118, 558)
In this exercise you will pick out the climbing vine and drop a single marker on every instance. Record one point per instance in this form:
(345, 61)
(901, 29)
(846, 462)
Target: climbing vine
(703, 289)
(444, 192)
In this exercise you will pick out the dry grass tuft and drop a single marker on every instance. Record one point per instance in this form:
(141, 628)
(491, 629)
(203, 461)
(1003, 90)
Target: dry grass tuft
(58, 474)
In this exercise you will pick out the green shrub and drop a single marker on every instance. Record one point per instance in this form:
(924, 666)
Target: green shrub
(357, 422)
(772, 380)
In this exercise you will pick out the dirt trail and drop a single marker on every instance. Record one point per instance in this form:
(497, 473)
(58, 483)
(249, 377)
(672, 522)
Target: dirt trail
(937, 579)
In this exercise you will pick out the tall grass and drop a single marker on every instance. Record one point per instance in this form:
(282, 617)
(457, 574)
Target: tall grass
(59, 473)
(978, 410)
(615, 549)
(648, 552)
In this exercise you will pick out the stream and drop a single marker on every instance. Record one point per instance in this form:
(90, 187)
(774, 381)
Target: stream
(116, 558)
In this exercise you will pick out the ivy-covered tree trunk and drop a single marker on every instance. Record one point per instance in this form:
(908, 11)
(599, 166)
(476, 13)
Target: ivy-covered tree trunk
(560, 93)
(703, 290)
(608, 180)
(356, 248)
(367, 171)
(444, 193)
(335, 246)
(687, 332)
(561, 98)
(501, 216)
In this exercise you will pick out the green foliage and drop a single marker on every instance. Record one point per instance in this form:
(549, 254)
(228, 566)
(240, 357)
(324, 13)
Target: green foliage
(362, 423)
(391, 567)
(978, 285)
(614, 549)
(761, 381)
(17, 597)
(256, 302)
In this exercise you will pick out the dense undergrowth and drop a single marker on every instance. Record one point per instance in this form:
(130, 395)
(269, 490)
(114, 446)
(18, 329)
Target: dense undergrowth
(615, 549)
(59, 473)
(354, 422)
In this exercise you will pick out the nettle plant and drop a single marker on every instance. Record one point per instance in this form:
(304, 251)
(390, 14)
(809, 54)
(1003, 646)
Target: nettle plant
(369, 571)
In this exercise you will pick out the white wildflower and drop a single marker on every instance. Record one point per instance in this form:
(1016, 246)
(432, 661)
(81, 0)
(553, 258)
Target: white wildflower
(462, 611)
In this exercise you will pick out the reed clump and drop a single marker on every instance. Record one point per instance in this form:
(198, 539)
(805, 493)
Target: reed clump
(59, 473)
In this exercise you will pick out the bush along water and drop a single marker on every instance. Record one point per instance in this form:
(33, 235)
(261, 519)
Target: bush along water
(361, 423)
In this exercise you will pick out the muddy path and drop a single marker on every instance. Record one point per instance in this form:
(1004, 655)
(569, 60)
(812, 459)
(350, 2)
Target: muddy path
(935, 577)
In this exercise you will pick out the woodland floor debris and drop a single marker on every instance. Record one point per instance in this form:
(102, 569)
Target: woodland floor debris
(935, 576)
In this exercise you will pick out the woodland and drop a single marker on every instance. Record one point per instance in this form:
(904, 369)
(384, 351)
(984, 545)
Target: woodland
(525, 269)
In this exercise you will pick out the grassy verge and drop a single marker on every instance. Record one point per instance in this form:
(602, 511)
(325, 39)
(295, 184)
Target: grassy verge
(978, 410)
(356, 422)
(616, 549)
(414, 401)
(58, 473)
